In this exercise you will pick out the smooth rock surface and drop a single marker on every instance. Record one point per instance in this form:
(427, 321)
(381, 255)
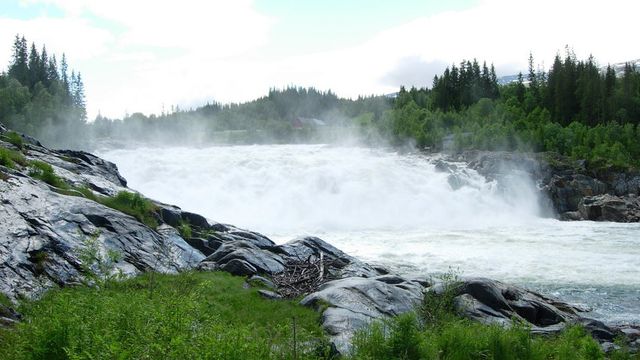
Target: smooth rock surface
(352, 303)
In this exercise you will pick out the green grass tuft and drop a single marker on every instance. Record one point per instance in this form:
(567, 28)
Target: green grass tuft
(133, 204)
(14, 138)
(191, 316)
(43, 171)
(405, 338)
(10, 158)
(185, 230)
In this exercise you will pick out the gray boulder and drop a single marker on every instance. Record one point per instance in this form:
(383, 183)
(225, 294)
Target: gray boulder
(352, 303)
(242, 257)
(610, 208)
(41, 233)
(492, 302)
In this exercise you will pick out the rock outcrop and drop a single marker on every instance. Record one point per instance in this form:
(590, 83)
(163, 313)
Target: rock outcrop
(566, 186)
(610, 208)
(352, 303)
(492, 302)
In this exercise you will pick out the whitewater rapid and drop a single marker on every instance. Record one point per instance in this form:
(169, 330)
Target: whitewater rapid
(402, 211)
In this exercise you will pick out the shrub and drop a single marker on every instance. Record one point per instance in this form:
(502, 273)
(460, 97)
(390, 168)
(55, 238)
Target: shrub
(133, 204)
(98, 266)
(438, 306)
(10, 158)
(43, 171)
(185, 229)
(14, 138)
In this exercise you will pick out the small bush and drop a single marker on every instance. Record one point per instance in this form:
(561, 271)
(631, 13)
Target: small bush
(14, 138)
(43, 171)
(133, 204)
(185, 230)
(86, 192)
(10, 158)
(98, 267)
(438, 307)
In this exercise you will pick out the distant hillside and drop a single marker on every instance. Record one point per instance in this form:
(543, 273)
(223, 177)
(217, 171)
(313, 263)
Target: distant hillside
(617, 67)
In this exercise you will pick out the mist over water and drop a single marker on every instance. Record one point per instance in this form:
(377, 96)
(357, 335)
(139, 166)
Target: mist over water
(400, 211)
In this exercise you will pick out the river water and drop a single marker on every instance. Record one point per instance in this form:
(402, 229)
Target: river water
(399, 210)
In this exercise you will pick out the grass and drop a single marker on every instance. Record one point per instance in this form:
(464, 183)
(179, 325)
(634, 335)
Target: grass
(436, 331)
(133, 204)
(9, 158)
(189, 316)
(14, 138)
(43, 171)
(185, 230)
(407, 338)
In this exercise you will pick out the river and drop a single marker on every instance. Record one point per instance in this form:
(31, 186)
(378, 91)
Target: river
(399, 210)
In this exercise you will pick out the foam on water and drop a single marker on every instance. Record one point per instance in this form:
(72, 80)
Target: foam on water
(400, 211)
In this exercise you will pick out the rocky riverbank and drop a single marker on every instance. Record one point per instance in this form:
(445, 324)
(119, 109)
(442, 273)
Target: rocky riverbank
(567, 187)
(45, 227)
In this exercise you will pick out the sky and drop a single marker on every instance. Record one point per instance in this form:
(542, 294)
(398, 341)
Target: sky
(149, 55)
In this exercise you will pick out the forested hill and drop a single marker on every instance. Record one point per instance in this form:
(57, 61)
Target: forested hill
(577, 108)
(40, 96)
(292, 114)
(574, 109)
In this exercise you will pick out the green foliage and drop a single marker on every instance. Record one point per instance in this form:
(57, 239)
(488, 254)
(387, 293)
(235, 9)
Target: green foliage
(38, 97)
(43, 171)
(438, 306)
(185, 229)
(404, 338)
(192, 316)
(98, 266)
(14, 138)
(4, 300)
(10, 158)
(133, 204)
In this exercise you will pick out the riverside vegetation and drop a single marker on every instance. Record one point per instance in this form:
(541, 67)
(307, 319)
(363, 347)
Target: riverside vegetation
(211, 315)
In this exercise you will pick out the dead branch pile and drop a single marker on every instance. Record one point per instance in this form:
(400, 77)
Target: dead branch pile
(302, 277)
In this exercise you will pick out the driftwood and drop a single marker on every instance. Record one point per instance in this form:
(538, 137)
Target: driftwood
(302, 277)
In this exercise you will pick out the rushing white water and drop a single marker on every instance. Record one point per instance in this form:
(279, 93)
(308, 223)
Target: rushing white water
(400, 211)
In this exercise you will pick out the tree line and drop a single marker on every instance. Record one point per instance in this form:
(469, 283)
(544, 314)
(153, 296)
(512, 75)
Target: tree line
(40, 97)
(576, 108)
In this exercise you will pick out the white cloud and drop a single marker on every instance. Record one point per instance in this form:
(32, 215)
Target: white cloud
(79, 39)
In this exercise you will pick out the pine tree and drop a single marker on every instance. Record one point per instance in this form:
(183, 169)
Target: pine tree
(19, 68)
(520, 88)
(52, 69)
(34, 66)
(79, 97)
(43, 73)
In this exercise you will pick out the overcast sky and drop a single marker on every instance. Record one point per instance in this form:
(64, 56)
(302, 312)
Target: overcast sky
(141, 55)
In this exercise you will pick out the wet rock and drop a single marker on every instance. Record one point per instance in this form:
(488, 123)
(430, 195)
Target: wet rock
(341, 264)
(566, 192)
(610, 208)
(270, 295)
(8, 316)
(262, 281)
(245, 253)
(35, 219)
(239, 267)
(352, 303)
(490, 301)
